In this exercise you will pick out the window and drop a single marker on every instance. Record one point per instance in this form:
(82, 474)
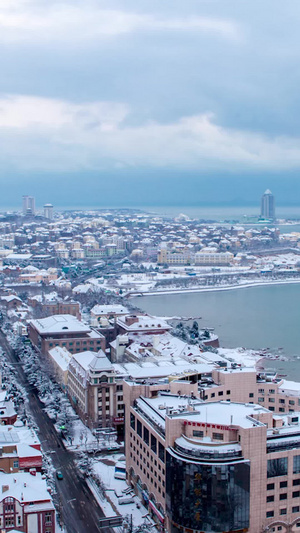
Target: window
(251, 395)
(218, 436)
(296, 482)
(212, 395)
(261, 399)
(277, 467)
(139, 428)
(271, 400)
(132, 421)
(283, 496)
(272, 391)
(283, 484)
(270, 499)
(146, 436)
(228, 392)
(161, 452)
(296, 509)
(296, 494)
(220, 393)
(9, 521)
(281, 400)
(282, 511)
(296, 464)
(48, 518)
(271, 408)
(291, 402)
(153, 443)
(269, 514)
(16, 464)
(197, 433)
(261, 391)
(281, 409)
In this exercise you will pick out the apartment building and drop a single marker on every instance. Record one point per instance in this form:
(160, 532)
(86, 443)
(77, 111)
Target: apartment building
(206, 466)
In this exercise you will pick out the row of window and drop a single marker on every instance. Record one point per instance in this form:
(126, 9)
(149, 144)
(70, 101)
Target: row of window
(148, 438)
(279, 467)
(270, 514)
(70, 343)
(283, 484)
(283, 496)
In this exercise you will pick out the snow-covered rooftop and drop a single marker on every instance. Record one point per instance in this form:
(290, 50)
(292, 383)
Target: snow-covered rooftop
(225, 413)
(59, 324)
(25, 488)
(99, 310)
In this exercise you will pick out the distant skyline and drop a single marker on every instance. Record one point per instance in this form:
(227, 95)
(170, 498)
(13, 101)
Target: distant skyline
(138, 103)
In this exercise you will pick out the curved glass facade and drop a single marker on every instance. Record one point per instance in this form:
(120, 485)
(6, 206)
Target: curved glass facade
(203, 496)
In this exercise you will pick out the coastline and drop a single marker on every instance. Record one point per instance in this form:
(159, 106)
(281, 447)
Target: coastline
(212, 289)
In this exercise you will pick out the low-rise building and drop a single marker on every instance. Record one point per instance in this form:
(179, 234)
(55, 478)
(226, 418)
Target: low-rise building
(25, 504)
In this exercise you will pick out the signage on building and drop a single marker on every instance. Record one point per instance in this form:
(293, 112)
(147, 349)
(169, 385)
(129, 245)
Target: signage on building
(202, 424)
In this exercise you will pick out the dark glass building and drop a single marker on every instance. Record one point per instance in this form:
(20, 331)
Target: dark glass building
(210, 494)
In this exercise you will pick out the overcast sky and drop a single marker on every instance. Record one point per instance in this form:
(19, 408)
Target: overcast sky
(157, 102)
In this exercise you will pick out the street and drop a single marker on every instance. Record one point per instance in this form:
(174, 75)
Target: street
(78, 508)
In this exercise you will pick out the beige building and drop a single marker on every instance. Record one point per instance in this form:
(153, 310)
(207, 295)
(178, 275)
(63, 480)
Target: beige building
(93, 390)
(60, 359)
(204, 456)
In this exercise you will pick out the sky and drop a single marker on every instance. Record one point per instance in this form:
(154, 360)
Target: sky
(132, 103)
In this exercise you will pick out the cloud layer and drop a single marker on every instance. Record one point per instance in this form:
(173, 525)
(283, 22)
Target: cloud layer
(64, 135)
(89, 85)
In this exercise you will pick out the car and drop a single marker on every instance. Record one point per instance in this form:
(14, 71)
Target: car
(59, 474)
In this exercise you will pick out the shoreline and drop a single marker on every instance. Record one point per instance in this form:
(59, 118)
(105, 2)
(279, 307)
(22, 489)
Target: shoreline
(212, 289)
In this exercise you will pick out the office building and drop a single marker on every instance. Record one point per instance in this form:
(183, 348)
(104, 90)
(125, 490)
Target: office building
(267, 205)
(65, 331)
(28, 205)
(214, 465)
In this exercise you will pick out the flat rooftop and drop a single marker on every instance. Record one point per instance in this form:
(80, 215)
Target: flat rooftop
(221, 413)
(59, 324)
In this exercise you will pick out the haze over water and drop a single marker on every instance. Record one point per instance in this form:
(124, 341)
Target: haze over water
(254, 317)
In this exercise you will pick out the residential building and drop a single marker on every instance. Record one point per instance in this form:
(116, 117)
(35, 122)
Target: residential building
(25, 504)
(28, 205)
(48, 211)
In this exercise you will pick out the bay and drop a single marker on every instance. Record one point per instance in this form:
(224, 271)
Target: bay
(253, 317)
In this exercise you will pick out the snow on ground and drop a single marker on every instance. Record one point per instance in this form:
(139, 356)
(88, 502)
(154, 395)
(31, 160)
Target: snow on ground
(104, 469)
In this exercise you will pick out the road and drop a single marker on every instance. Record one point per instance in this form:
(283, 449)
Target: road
(78, 508)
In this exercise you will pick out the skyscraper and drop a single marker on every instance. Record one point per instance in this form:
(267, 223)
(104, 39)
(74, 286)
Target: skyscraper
(28, 205)
(267, 205)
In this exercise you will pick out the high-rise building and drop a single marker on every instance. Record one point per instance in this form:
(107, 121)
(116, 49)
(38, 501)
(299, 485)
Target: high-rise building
(28, 205)
(48, 211)
(267, 205)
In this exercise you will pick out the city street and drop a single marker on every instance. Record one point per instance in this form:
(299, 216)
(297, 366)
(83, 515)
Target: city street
(78, 508)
